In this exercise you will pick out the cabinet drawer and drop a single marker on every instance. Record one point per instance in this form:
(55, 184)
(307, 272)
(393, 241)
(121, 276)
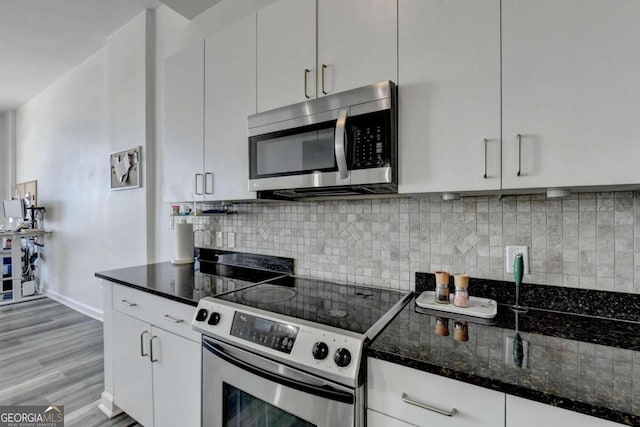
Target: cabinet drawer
(164, 313)
(388, 382)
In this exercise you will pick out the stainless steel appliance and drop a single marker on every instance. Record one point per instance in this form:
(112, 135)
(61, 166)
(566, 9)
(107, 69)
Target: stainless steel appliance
(338, 145)
(289, 352)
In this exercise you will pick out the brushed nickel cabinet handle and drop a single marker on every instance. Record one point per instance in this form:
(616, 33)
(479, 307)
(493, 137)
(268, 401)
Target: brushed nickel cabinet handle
(202, 176)
(142, 353)
(485, 157)
(306, 78)
(206, 174)
(406, 399)
(151, 345)
(172, 319)
(519, 154)
(324, 67)
(128, 303)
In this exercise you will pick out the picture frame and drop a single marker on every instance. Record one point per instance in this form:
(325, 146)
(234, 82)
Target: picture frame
(124, 169)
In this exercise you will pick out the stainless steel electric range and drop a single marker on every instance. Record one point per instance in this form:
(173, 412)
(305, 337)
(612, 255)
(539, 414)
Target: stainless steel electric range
(289, 352)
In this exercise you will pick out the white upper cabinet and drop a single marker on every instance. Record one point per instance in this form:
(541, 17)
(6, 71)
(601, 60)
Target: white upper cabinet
(183, 125)
(230, 96)
(357, 43)
(449, 95)
(569, 71)
(286, 53)
(312, 48)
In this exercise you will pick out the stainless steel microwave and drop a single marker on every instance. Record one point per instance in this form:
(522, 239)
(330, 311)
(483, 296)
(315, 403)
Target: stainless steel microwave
(338, 145)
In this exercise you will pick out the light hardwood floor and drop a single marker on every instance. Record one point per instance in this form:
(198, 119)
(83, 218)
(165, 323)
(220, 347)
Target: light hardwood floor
(51, 354)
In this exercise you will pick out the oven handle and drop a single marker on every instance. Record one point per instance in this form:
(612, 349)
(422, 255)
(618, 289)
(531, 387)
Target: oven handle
(325, 390)
(339, 140)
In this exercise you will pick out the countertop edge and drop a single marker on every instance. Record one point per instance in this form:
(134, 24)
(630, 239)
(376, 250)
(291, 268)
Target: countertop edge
(514, 390)
(147, 290)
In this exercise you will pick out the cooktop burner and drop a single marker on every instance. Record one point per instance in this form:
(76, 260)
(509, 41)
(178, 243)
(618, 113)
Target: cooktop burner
(349, 307)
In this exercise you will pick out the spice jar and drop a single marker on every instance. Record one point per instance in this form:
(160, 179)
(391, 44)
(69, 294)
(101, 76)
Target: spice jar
(442, 326)
(442, 287)
(461, 297)
(461, 331)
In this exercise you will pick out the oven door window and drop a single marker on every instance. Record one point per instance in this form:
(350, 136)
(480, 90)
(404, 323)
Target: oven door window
(242, 409)
(293, 152)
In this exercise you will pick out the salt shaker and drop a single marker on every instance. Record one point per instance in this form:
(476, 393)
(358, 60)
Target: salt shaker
(442, 287)
(461, 297)
(461, 331)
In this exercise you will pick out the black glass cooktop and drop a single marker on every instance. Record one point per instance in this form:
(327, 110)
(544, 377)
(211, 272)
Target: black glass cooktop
(350, 307)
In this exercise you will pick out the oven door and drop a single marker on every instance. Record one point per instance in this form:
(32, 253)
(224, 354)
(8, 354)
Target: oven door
(240, 388)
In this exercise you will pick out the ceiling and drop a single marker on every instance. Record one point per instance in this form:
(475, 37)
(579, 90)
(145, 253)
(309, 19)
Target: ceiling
(41, 40)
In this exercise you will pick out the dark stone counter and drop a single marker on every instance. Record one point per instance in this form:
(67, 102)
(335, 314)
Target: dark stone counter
(578, 362)
(188, 283)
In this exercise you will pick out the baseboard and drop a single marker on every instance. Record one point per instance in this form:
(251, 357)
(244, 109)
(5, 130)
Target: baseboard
(77, 306)
(107, 406)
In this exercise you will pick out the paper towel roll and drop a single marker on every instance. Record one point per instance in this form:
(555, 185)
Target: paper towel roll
(184, 244)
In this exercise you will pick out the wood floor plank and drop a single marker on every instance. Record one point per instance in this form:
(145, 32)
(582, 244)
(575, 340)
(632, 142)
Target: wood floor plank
(51, 354)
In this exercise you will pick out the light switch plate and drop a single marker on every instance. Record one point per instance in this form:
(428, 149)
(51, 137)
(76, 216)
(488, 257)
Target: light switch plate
(206, 238)
(231, 240)
(219, 242)
(510, 255)
(170, 223)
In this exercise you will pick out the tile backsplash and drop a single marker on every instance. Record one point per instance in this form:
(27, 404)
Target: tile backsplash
(588, 240)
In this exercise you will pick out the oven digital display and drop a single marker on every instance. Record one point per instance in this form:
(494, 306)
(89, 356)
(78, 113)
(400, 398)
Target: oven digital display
(267, 333)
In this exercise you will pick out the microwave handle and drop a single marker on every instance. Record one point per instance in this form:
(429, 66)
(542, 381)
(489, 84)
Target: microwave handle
(341, 157)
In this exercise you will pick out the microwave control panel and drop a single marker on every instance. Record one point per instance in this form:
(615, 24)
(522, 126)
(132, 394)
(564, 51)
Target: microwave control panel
(370, 142)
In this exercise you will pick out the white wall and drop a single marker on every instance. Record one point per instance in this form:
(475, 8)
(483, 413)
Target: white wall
(64, 138)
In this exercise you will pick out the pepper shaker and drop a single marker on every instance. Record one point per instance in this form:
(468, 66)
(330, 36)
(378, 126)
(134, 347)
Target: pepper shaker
(442, 287)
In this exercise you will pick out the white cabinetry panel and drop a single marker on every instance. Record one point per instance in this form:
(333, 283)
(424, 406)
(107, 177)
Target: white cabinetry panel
(183, 124)
(230, 97)
(286, 48)
(449, 95)
(569, 74)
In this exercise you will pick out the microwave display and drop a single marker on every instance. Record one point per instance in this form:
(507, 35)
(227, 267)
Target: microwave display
(370, 136)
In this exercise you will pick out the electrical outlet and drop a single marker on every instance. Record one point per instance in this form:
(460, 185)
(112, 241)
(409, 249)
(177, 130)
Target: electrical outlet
(510, 256)
(219, 242)
(231, 240)
(206, 238)
(170, 223)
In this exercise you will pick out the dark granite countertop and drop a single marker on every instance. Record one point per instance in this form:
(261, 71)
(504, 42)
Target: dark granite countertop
(188, 283)
(583, 363)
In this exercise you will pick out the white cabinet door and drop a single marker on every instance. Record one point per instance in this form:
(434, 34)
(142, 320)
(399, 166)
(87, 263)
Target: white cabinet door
(176, 380)
(527, 413)
(286, 48)
(183, 124)
(230, 96)
(449, 95)
(388, 383)
(569, 72)
(132, 383)
(357, 43)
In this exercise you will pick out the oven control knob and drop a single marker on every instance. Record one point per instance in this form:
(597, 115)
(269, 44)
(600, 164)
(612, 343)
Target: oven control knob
(320, 350)
(342, 357)
(202, 315)
(214, 319)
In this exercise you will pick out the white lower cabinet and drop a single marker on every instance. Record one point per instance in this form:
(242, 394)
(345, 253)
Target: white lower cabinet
(404, 394)
(156, 373)
(527, 413)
